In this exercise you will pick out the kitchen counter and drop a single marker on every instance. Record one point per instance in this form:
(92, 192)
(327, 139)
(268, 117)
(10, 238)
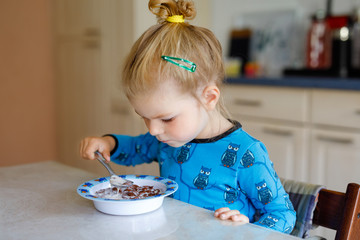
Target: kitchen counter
(304, 82)
(39, 201)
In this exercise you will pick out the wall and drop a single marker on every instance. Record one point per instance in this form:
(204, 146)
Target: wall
(27, 122)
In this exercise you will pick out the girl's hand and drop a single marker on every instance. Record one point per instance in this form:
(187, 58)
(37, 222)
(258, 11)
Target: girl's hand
(89, 145)
(233, 215)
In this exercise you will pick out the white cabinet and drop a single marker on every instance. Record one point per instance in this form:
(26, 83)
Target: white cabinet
(76, 17)
(336, 109)
(335, 138)
(277, 118)
(92, 38)
(267, 102)
(335, 158)
(78, 70)
(311, 135)
(287, 146)
(335, 162)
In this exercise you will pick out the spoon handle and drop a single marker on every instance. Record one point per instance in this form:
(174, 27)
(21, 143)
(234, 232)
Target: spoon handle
(102, 160)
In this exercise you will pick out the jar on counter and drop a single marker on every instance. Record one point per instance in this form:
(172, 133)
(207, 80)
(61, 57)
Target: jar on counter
(319, 43)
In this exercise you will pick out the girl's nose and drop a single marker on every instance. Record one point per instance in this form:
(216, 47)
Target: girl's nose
(155, 127)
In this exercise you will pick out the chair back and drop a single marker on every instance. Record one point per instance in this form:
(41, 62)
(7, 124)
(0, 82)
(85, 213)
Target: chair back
(340, 211)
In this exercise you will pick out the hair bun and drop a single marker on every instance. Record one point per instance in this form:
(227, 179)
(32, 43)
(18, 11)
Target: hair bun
(187, 9)
(166, 8)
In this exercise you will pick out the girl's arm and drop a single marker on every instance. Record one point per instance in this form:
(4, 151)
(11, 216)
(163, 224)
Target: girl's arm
(130, 150)
(264, 189)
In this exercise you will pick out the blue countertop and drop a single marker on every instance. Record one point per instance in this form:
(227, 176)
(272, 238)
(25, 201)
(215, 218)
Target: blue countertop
(303, 82)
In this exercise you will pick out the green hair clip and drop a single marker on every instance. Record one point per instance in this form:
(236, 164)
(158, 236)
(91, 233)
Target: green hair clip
(172, 60)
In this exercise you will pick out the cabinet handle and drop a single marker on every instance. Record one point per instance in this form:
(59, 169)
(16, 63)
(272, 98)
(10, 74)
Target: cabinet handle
(91, 32)
(91, 44)
(247, 102)
(278, 132)
(335, 139)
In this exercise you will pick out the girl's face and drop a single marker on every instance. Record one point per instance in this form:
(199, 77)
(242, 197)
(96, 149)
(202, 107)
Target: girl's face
(173, 117)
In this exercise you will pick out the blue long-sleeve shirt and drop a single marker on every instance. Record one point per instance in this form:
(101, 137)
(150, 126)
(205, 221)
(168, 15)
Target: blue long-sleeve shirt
(231, 170)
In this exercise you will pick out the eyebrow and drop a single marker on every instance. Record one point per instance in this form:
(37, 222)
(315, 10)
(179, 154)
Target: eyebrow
(157, 116)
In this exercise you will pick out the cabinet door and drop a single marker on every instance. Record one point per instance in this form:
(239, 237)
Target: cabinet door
(336, 108)
(267, 102)
(335, 162)
(78, 79)
(335, 158)
(76, 17)
(287, 147)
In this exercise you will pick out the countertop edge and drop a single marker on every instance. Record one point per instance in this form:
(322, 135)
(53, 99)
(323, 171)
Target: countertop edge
(322, 83)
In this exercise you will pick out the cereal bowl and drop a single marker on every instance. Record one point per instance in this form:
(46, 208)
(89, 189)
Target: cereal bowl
(128, 206)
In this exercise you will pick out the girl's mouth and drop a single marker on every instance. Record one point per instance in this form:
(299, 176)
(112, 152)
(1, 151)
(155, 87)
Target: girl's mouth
(160, 140)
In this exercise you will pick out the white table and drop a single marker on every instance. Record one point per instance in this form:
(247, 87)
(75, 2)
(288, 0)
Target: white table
(39, 201)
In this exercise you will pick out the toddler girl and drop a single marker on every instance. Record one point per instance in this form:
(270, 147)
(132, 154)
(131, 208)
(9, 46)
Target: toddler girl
(172, 78)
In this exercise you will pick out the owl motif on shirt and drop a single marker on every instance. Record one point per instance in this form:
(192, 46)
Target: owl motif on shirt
(248, 159)
(184, 153)
(269, 221)
(138, 148)
(264, 193)
(230, 195)
(122, 156)
(202, 179)
(229, 157)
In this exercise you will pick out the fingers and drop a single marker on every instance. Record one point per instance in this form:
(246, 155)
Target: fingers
(226, 213)
(89, 145)
(240, 218)
(86, 151)
(106, 155)
(233, 215)
(219, 211)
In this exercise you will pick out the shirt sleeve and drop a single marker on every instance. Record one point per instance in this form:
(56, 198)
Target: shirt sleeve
(131, 151)
(263, 188)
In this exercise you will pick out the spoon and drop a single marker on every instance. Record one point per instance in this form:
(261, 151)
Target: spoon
(115, 180)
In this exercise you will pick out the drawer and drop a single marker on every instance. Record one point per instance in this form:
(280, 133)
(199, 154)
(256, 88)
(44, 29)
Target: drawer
(336, 108)
(267, 102)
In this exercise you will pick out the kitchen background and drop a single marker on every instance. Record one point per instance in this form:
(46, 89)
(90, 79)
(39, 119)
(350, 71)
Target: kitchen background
(60, 61)
(59, 71)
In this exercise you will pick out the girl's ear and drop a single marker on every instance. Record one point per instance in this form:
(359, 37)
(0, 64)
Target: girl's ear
(210, 97)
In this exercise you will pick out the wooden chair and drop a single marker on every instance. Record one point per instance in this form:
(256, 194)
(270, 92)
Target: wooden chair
(340, 211)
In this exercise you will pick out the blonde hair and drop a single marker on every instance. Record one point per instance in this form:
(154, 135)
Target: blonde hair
(144, 68)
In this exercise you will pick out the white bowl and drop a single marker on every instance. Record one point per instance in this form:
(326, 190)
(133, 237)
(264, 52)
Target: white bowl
(130, 206)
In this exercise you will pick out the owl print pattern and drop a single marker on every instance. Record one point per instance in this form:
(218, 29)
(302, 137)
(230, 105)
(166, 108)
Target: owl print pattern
(232, 171)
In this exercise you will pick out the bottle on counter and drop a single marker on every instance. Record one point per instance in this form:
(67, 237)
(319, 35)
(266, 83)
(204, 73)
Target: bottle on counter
(319, 43)
(341, 51)
(340, 26)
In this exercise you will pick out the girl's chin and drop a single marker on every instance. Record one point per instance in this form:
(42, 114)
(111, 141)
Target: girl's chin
(174, 144)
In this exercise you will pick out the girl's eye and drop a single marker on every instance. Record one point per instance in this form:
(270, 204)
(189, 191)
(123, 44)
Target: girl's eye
(168, 120)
